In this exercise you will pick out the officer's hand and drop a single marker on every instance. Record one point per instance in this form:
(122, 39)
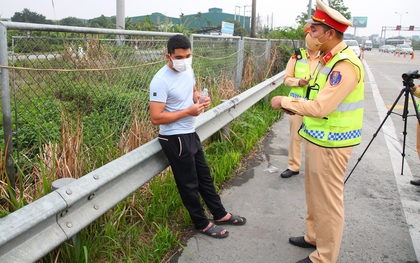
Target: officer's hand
(303, 82)
(287, 111)
(276, 102)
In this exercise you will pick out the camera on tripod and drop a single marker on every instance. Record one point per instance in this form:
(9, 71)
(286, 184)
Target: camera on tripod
(409, 76)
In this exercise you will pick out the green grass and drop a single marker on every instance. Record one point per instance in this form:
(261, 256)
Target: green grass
(152, 224)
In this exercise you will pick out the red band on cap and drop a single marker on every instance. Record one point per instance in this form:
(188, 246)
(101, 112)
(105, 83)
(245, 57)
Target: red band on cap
(323, 17)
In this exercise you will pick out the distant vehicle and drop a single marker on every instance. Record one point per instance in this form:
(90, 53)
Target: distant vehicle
(396, 41)
(354, 45)
(404, 48)
(368, 45)
(387, 49)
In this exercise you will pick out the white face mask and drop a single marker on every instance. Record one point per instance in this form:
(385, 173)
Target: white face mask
(182, 65)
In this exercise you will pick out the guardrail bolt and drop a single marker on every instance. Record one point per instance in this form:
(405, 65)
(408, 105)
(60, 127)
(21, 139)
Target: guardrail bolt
(62, 182)
(96, 207)
(69, 224)
(63, 213)
(96, 177)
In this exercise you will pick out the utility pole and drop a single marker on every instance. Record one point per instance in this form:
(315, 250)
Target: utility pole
(401, 14)
(243, 22)
(239, 13)
(120, 19)
(309, 9)
(253, 18)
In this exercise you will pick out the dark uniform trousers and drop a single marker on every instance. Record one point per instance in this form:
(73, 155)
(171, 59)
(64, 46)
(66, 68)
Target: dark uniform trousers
(192, 176)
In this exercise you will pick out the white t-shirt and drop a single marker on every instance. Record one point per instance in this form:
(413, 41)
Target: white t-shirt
(176, 90)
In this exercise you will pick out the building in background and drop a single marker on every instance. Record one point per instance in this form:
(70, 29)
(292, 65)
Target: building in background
(212, 19)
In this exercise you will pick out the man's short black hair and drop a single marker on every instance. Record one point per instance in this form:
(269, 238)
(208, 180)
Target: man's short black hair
(178, 41)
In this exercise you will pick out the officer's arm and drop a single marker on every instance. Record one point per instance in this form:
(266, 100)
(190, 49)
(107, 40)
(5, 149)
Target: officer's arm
(289, 78)
(336, 89)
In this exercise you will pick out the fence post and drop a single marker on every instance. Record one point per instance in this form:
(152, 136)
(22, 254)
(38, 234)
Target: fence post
(267, 51)
(5, 99)
(192, 43)
(120, 20)
(240, 62)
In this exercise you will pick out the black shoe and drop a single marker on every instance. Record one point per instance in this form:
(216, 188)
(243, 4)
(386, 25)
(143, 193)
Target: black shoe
(415, 182)
(305, 260)
(288, 173)
(300, 242)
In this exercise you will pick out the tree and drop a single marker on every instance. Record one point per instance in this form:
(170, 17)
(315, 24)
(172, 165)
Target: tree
(287, 33)
(182, 18)
(27, 16)
(238, 30)
(72, 21)
(145, 25)
(335, 4)
(199, 16)
(102, 22)
(340, 7)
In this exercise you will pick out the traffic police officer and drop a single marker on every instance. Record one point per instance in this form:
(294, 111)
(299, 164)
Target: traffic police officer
(417, 94)
(332, 125)
(299, 71)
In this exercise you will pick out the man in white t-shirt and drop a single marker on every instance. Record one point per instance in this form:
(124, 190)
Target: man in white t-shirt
(174, 105)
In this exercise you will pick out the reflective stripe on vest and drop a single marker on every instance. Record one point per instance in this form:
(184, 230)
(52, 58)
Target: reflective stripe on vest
(301, 71)
(343, 126)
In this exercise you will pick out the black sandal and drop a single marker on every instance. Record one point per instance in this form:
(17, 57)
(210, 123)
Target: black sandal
(215, 231)
(233, 220)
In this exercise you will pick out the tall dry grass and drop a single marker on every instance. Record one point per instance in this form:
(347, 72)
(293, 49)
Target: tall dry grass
(140, 131)
(68, 158)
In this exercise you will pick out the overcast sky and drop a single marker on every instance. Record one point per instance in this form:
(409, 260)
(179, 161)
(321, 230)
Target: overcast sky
(284, 12)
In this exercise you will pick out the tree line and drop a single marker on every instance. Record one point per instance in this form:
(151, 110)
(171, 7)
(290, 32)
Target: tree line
(28, 16)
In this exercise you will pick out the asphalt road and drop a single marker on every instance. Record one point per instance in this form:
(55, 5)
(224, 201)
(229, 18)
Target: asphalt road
(382, 208)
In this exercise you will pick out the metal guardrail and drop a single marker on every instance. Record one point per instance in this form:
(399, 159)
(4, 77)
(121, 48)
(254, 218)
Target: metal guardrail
(34, 230)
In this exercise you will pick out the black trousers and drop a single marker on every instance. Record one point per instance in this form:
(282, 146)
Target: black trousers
(192, 176)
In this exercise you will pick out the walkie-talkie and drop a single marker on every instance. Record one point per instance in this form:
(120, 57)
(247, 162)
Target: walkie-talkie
(298, 54)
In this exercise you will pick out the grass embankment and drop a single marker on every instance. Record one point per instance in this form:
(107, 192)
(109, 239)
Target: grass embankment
(151, 224)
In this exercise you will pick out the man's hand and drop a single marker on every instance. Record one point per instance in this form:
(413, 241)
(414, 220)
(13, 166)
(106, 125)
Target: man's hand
(196, 109)
(205, 101)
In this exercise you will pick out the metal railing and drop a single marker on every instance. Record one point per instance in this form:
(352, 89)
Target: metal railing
(53, 77)
(61, 77)
(34, 230)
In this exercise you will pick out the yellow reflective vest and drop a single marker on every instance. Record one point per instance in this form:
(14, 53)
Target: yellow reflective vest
(343, 126)
(301, 71)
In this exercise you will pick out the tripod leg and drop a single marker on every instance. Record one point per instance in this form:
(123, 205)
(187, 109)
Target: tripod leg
(416, 110)
(404, 117)
(375, 134)
(408, 92)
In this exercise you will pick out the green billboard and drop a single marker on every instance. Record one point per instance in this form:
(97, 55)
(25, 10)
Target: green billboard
(360, 21)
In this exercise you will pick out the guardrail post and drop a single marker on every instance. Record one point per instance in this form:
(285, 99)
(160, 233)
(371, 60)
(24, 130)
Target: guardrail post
(225, 129)
(77, 244)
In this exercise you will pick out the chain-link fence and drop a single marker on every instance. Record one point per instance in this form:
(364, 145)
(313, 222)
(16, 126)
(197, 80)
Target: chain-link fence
(74, 99)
